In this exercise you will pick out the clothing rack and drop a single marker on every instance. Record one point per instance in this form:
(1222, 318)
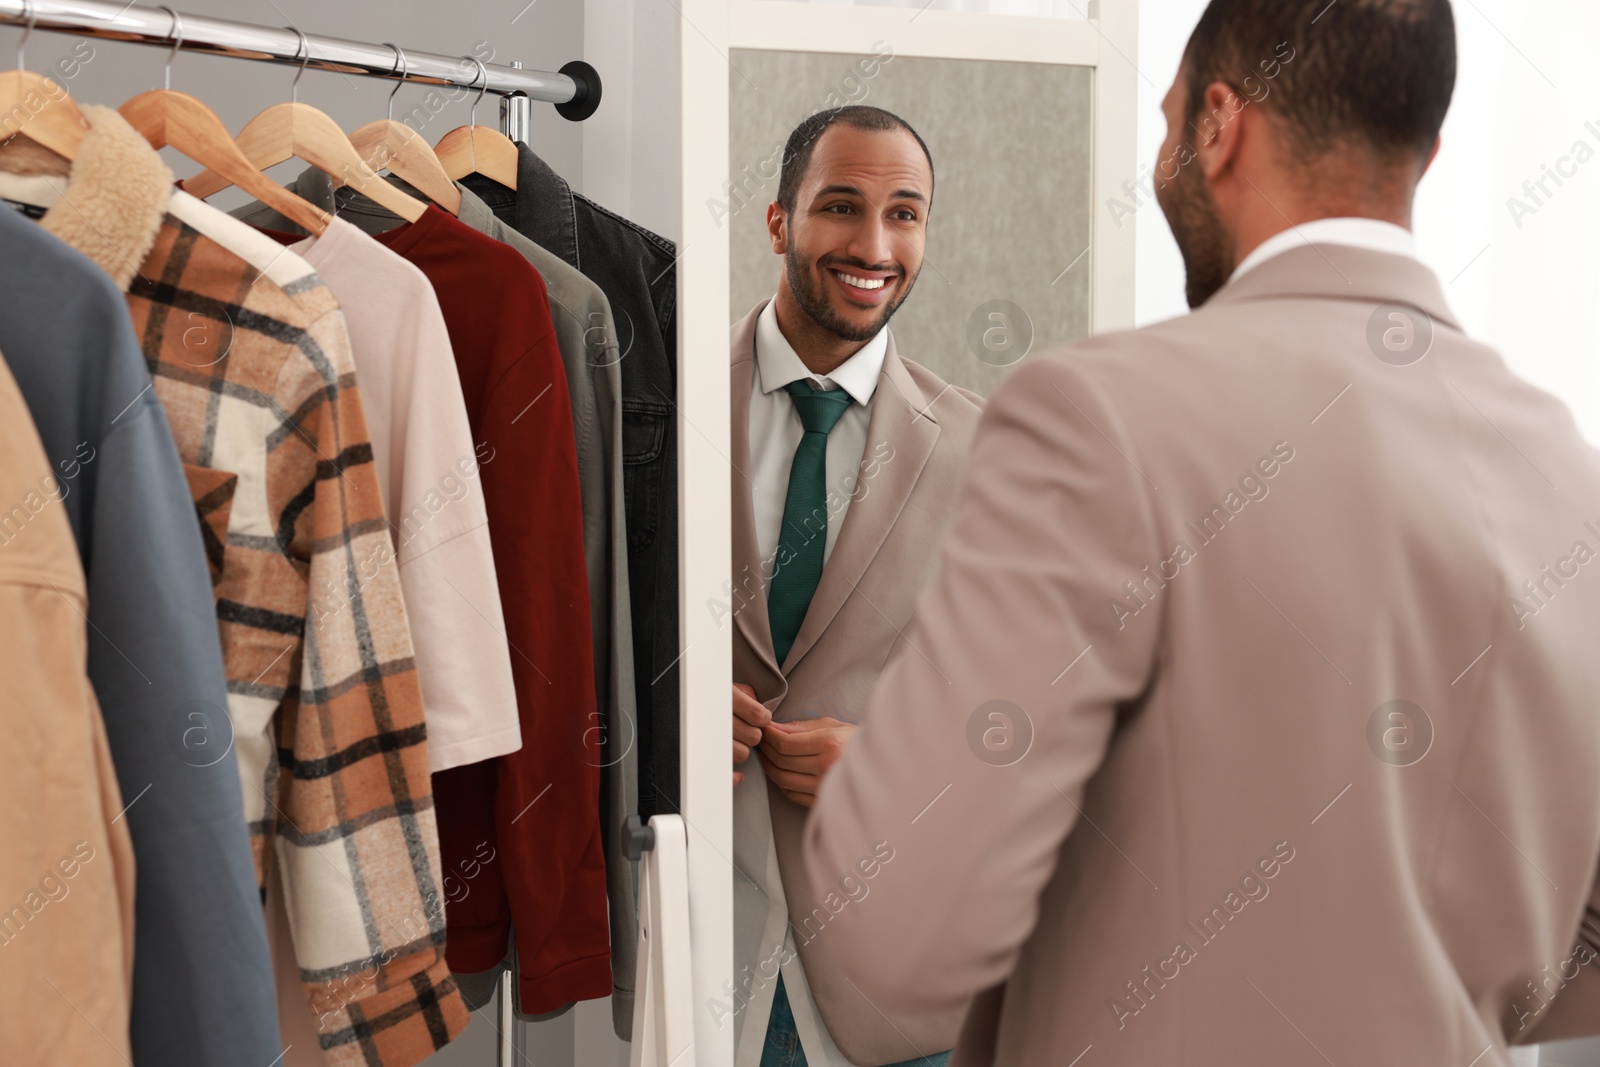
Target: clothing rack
(575, 89)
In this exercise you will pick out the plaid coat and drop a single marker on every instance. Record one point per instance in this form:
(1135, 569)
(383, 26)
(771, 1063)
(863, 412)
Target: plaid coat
(249, 357)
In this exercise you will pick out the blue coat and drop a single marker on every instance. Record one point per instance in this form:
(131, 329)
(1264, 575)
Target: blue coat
(202, 985)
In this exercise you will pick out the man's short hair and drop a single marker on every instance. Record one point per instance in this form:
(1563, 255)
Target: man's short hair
(803, 141)
(1373, 73)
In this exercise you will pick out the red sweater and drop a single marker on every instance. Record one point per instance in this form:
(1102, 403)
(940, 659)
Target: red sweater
(520, 835)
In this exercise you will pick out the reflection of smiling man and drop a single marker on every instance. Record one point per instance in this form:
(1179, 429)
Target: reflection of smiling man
(849, 457)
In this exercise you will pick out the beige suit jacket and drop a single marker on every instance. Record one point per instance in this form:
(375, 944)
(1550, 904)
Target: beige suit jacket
(1150, 800)
(918, 438)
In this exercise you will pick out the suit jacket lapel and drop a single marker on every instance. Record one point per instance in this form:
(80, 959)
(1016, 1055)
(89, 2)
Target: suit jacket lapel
(903, 417)
(749, 596)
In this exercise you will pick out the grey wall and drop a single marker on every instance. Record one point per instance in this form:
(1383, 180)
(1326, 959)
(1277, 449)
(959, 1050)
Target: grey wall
(1011, 146)
(1581, 1053)
(543, 36)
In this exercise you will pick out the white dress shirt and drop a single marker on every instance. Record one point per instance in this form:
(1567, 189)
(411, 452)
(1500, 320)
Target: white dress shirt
(775, 428)
(1372, 234)
(775, 432)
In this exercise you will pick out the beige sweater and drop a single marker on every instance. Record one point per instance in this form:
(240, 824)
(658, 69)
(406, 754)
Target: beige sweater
(428, 473)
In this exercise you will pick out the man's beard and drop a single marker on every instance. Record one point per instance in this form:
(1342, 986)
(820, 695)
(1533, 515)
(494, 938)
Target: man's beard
(1208, 251)
(810, 294)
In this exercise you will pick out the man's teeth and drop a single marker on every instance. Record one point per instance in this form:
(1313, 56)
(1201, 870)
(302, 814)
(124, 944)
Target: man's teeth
(860, 283)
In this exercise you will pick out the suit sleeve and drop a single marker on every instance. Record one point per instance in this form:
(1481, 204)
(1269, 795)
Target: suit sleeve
(998, 707)
(1575, 1011)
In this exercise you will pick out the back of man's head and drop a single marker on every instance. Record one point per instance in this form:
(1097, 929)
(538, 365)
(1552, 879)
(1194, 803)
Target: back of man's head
(1364, 75)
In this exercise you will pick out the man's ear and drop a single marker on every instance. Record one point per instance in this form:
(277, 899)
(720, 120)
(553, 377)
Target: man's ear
(1433, 155)
(778, 228)
(1218, 129)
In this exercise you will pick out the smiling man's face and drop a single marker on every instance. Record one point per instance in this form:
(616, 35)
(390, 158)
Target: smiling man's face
(856, 236)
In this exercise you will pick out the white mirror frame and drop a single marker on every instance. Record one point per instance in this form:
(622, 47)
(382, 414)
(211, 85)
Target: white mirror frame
(1107, 42)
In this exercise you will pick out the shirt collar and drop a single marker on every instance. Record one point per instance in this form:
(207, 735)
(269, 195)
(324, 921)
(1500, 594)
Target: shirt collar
(779, 364)
(1373, 234)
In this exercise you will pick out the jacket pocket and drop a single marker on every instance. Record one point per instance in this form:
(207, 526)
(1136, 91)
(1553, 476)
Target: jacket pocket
(644, 436)
(212, 492)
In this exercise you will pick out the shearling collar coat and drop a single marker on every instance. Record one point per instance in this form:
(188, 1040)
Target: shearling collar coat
(249, 357)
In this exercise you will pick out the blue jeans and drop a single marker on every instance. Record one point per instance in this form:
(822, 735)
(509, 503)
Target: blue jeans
(783, 1042)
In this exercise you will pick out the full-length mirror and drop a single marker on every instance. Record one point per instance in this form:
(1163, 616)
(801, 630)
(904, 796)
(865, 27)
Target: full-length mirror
(904, 231)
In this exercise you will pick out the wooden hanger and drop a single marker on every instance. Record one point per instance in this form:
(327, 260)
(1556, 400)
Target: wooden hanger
(475, 149)
(393, 146)
(397, 148)
(165, 117)
(52, 117)
(299, 131)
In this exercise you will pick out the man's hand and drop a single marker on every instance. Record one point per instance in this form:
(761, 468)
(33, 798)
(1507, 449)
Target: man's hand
(749, 716)
(797, 754)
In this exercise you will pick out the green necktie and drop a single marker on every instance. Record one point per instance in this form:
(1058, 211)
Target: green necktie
(804, 534)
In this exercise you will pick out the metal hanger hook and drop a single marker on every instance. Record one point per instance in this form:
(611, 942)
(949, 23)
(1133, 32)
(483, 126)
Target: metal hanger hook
(401, 65)
(32, 15)
(176, 33)
(473, 119)
(303, 47)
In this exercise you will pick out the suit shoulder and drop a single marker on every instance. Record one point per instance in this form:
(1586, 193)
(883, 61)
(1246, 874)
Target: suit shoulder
(948, 400)
(1171, 354)
(974, 399)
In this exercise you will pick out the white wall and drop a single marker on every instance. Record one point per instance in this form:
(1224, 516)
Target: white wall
(1528, 84)
(630, 146)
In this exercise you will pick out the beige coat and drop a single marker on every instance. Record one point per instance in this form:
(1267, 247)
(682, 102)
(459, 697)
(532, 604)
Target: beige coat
(66, 864)
(1149, 797)
(917, 442)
